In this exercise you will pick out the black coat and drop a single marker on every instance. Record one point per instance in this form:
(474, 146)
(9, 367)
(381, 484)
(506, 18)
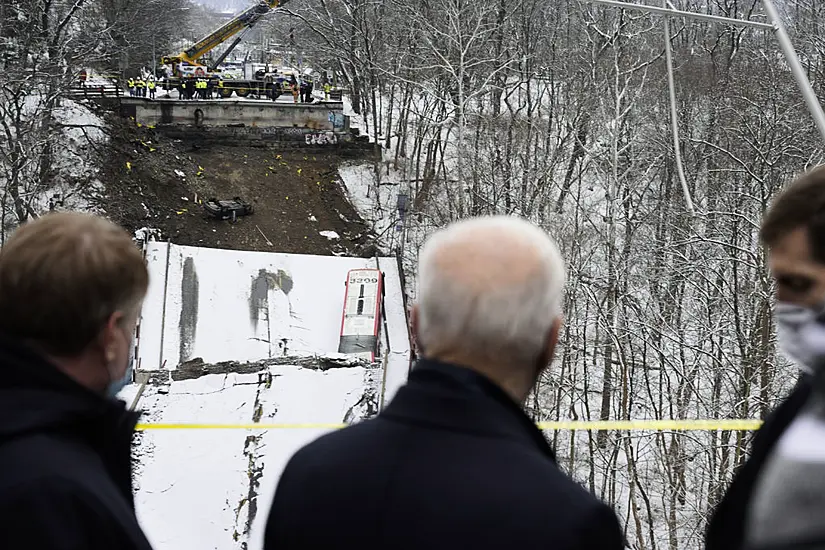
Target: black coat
(65, 461)
(726, 529)
(452, 462)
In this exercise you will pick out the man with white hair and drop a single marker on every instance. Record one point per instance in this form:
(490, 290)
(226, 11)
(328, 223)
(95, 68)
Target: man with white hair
(453, 461)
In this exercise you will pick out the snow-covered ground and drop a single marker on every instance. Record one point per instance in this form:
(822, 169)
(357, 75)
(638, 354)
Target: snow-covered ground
(211, 488)
(160, 93)
(227, 305)
(396, 331)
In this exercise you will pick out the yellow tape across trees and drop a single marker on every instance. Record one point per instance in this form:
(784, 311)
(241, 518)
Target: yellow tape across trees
(622, 425)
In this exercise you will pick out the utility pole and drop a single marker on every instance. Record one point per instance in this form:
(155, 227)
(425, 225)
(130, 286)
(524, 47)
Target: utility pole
(802, 82)
(808, 93)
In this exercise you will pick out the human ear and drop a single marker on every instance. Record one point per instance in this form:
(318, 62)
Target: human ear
(552, 340)
(109, 334)
(414, 317)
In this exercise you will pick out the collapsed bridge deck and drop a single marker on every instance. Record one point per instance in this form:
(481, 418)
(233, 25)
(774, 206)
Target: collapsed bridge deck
(238, 337)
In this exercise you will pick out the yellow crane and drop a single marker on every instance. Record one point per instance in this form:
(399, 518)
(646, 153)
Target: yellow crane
(241, 22)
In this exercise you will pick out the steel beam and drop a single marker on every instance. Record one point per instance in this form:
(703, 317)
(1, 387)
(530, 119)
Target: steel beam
(688, 14)
(799, 74)
(801, 77)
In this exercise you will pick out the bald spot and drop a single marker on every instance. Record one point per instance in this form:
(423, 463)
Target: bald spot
(487, 258)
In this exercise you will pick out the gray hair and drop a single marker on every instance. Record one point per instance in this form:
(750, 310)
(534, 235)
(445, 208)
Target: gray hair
(469, 314)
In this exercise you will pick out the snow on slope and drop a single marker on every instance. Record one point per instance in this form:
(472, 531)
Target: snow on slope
(397, 364)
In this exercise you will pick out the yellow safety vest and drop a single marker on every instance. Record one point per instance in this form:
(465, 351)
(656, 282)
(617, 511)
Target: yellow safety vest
(151, 84)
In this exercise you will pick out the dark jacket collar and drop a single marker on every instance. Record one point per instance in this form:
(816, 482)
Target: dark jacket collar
(455, 398)
(726, 528)
(36, 398)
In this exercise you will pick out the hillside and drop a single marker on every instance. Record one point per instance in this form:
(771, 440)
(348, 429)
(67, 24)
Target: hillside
(299, 204)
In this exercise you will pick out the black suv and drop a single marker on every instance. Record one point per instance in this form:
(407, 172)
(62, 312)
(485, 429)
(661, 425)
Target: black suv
(227, 210)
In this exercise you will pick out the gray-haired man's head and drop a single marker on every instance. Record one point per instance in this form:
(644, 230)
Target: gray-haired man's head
(489, 298)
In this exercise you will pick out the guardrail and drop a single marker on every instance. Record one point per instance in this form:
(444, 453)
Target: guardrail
(96, 92)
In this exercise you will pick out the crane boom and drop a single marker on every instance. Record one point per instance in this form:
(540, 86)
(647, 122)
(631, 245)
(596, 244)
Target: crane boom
(244, 20)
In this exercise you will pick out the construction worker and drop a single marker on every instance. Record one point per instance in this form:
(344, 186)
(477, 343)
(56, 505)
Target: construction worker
(201, 87)
(150, 85)
(304, 94)
(131, 85)
(310, 88)
(327, 89)
(140, 85)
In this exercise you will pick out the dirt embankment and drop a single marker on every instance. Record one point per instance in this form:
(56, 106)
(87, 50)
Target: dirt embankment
(154, 181)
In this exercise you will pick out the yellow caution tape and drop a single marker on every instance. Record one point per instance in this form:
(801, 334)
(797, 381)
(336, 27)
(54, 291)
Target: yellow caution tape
(162, 426)
(624, 425)
(655, 425)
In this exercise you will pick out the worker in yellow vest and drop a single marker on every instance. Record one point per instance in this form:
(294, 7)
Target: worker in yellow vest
(131, 85)
(150, 85)
(141, 87)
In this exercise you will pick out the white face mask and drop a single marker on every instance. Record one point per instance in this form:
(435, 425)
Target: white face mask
(801, 333)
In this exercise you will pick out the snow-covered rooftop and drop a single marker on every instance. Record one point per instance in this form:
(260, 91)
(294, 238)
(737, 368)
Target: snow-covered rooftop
(245, 338)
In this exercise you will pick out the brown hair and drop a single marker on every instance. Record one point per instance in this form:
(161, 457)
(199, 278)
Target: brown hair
(801, 204)
(63, 275)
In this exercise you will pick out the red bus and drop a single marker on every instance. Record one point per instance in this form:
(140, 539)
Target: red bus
(361, 317)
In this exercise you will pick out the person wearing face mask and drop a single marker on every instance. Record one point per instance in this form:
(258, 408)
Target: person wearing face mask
(71, 289)
(776, 500)
(453, 461)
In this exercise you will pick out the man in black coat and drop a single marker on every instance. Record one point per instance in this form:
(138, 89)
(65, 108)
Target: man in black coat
(726, 529)
(453, 461)
(793, 231)
(71, 286)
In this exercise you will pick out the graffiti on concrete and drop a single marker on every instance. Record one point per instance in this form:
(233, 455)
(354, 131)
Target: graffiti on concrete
(337, 120)
(326, 138)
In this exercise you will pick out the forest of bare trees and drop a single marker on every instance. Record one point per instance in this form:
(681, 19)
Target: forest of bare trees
(558, 111)
(44, 46)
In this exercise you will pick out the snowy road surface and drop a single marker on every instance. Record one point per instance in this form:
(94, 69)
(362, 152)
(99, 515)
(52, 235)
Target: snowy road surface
(229, 305)
(211, 488)
(200, 489)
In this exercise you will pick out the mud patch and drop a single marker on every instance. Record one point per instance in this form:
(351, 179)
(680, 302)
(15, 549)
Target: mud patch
(262, 283)
(188, 324)
(284, 281)
(259, 295)
(195, 368)
(153, 180)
